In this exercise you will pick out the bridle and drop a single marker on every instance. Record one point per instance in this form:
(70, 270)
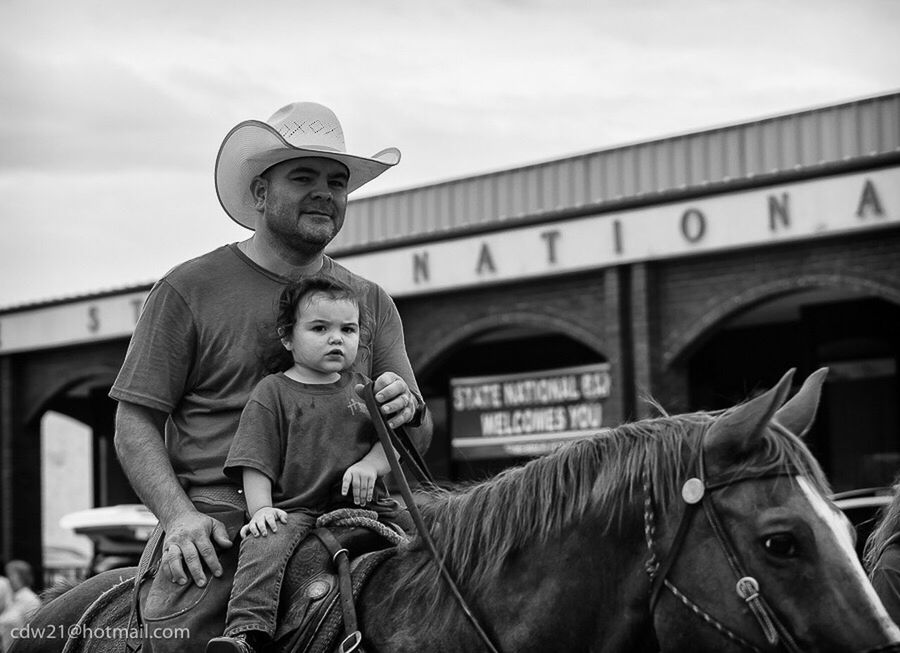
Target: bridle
(696, 494)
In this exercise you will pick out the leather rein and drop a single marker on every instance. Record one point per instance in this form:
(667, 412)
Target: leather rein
(696, 493)
(397, 440)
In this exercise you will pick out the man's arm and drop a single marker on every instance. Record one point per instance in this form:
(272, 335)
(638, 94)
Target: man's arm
(395, 384)
(189, 534)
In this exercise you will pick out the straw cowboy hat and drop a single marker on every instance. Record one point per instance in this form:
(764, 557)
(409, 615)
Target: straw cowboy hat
(297, 130)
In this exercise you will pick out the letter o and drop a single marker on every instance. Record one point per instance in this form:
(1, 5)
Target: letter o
(693, 225)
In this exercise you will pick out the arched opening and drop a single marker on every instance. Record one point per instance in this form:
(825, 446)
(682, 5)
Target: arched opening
(66, 487)
(503, 354)
(85, 399)
(857, 433)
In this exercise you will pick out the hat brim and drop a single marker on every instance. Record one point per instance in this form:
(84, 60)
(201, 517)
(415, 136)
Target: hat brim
(253, 146)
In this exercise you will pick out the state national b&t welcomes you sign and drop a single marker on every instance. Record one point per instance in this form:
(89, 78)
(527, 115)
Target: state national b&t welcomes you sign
(526, 414)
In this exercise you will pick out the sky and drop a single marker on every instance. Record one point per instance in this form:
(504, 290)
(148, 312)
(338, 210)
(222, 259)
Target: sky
(111, 113)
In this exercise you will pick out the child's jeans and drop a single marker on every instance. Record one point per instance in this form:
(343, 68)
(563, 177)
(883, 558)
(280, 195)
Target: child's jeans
(262, 563)
(257, 582)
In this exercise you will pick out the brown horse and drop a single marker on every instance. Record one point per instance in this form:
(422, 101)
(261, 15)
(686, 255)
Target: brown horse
(699, 532)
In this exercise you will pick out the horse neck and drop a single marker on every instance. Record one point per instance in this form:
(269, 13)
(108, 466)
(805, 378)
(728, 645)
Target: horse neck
(583, 589)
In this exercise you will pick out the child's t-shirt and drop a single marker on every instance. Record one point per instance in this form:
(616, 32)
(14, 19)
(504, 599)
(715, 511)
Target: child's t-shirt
(303, 437)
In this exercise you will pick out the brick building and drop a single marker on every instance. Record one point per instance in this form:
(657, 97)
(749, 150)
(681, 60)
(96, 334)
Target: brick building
(543, 302)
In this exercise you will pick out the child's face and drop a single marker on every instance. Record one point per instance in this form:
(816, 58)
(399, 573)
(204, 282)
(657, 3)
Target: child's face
(325, 337)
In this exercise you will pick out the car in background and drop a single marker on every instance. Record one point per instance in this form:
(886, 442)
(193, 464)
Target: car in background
(863, 509)
(119, 533)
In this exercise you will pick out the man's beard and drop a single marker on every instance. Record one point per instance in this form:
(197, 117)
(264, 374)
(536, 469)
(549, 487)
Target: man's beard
(302, 234)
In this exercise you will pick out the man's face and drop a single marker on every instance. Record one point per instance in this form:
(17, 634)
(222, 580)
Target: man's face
(303, 202)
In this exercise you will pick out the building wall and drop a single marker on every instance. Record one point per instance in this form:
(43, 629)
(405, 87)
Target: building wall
(648, 319)
(695, 295)
(575, 306)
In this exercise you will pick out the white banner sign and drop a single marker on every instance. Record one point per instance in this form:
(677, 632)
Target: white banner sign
(70, 324)
(768, 216)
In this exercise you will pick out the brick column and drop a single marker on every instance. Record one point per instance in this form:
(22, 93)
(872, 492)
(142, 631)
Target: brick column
(642, 339)
(614, 334)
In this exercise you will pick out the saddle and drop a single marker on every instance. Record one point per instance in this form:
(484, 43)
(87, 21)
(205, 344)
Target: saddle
(310, 610)
(313, 607)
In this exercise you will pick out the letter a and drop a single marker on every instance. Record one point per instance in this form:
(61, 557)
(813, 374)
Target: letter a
(868, 200)
(485, 261)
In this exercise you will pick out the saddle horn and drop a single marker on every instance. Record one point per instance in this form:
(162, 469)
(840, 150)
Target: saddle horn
(799, 413)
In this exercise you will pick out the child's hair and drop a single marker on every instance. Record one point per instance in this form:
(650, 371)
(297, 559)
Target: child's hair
(888, 526)
(289, 304)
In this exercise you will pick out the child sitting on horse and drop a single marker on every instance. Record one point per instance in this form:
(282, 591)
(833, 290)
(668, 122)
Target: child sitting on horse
(305, 446)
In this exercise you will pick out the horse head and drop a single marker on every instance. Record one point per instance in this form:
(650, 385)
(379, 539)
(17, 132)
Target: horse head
(758, 558)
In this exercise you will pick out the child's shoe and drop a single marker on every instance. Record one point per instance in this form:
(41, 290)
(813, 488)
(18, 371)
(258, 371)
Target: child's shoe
(240, 643)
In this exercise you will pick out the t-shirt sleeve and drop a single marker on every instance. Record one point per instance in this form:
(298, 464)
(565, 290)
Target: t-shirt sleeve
(389, 345)
(257, 443)
(389, 355)
(158, 361)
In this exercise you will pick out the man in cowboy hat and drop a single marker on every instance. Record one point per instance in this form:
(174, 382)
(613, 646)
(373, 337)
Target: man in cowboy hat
(196, 351)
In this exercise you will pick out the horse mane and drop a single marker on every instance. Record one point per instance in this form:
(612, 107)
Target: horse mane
(479, 527)
(59, 587)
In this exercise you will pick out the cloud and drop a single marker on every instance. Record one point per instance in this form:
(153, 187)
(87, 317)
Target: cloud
(74, 233)
(111, 113)
(91, 113)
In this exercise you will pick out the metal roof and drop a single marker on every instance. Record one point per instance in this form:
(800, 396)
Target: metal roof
(68, 299)
(813, 140)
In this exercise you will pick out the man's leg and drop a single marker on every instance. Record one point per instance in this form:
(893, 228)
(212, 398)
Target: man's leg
(197, 613)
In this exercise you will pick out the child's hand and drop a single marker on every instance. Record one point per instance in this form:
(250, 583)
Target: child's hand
(263, 519)
(362, 477)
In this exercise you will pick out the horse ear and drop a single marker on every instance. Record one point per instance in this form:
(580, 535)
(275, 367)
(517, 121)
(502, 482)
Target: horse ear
(739, 430)
(798, 414)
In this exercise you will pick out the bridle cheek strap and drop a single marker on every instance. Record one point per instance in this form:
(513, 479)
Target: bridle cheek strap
(747, 588)
(695, 494)
(659, 572)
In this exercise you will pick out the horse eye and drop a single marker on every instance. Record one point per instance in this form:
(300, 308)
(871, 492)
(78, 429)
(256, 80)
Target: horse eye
(782, 545)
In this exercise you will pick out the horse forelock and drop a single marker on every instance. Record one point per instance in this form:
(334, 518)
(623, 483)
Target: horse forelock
(478, 527)
(783, 452)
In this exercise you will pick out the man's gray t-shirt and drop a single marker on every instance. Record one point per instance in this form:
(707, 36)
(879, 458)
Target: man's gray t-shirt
(201, 343)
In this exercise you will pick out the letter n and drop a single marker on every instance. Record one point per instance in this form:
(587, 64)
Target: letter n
(421, 271)
(779, 212)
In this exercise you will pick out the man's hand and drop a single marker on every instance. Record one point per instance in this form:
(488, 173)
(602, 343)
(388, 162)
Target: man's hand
(397, 401)
(190, 541)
